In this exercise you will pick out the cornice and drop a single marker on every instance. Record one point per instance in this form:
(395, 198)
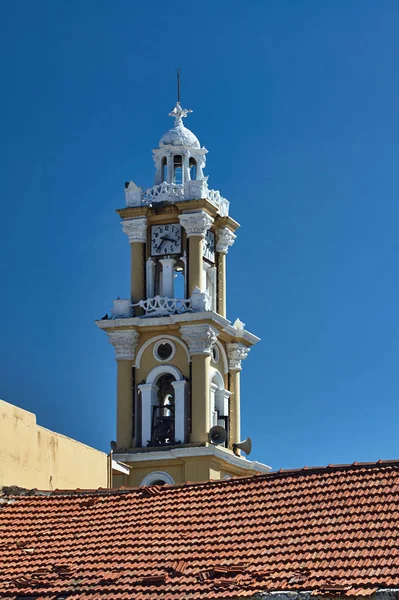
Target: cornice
(228, 331)
(181, 453)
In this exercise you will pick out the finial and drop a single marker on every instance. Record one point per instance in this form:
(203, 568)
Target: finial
(178, 71)
(178, 112)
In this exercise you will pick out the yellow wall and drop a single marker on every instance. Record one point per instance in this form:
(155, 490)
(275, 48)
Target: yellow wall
(34, 457)
(200, 468)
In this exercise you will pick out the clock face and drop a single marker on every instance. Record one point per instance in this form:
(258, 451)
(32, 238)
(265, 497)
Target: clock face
(209, 246)
(165, 239)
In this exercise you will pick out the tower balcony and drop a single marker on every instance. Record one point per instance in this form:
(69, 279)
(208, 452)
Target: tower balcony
(173, 192)
(162, 306)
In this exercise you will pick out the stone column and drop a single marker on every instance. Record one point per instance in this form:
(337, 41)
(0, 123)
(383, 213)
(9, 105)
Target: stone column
(236, 353)
(196, 225)
(148, 400)
(169, 168)
(180, 410)
(200, 339)
(168, 275)
(224, 238)
(136, 230)
(150, 280)
(125, 343)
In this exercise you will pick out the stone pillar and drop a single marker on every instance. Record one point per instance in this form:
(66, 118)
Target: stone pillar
(150, 279)
(200, 339)
(196, 225)
(225, 238)
(136, 230)
(169, 168)
(148, 400)
(236, 353)
(168, 276)
(180, 410)
(125, 343)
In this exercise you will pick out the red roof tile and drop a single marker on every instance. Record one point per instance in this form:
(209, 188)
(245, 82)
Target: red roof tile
(330, 531)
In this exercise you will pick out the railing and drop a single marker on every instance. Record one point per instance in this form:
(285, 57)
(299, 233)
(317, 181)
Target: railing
(164, 190)
(160, 306)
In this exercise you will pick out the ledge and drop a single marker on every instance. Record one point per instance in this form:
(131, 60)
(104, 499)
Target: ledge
(183, 318)
(176, 453)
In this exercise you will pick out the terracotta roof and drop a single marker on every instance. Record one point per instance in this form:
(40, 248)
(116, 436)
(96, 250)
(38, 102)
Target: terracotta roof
(332, 530)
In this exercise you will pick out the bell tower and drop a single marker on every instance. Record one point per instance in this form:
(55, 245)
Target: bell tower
(178, 357)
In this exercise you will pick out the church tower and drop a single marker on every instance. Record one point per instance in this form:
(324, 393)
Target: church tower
(178, 357)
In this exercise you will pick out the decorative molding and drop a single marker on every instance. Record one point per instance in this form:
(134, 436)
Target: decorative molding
(124, 342)
(200, 301)
(122, 309)
(156, 373)
(236, 353)
(135, 229)
(181, 453)
(164, 340)
(199, 338)
(133, 194)
(225, 238)
(156, 339)
(160, 306)
(196, 223)
(151, 478)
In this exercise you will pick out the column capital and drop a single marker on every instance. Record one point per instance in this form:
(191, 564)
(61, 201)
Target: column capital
(196, 223)
(199, 338)
(148, 387)
(179, 385)
(135, 229)
(124, 342)
(224, 238)
(236, 353)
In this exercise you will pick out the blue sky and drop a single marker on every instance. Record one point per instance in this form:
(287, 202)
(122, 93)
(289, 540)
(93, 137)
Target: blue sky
(298, 104)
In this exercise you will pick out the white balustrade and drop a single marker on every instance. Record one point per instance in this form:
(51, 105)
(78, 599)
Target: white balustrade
(161, 306)
(176, 192)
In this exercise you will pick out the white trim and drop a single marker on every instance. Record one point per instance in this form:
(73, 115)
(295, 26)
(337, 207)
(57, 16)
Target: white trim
(223, 355)
(155, 476)
(120, 467)
(210, 315)
(156, 373)
(217, 451)
(159, 343)
(215, 350)
(155, 339)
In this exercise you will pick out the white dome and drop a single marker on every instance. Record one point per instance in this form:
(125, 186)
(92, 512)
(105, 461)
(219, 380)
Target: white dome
(179, 136)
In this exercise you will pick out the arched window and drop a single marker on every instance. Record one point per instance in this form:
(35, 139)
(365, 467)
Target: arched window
(157, 478)
(163, 169)
(180, 283)
(163, 403)
(177, 169)
(219, 401)
(163, 413)
(193, 168)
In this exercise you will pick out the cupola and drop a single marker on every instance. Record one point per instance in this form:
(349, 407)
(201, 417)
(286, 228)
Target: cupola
(179, 157)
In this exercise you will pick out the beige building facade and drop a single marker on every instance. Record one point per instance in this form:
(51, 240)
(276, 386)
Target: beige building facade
(34, 457)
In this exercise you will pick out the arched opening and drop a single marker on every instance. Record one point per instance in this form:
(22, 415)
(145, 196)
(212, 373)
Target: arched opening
(157, 478)
(163, 407)
(178, 169)
(163, 413)
(163, 169)
(193, 168)
(219, 402)
(180, 281)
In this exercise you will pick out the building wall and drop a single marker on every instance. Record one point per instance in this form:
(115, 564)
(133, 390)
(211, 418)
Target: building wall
(34, 457)
(200, 468)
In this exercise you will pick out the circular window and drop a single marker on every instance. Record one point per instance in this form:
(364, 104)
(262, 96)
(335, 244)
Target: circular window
(215, 354)
(164, 350)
